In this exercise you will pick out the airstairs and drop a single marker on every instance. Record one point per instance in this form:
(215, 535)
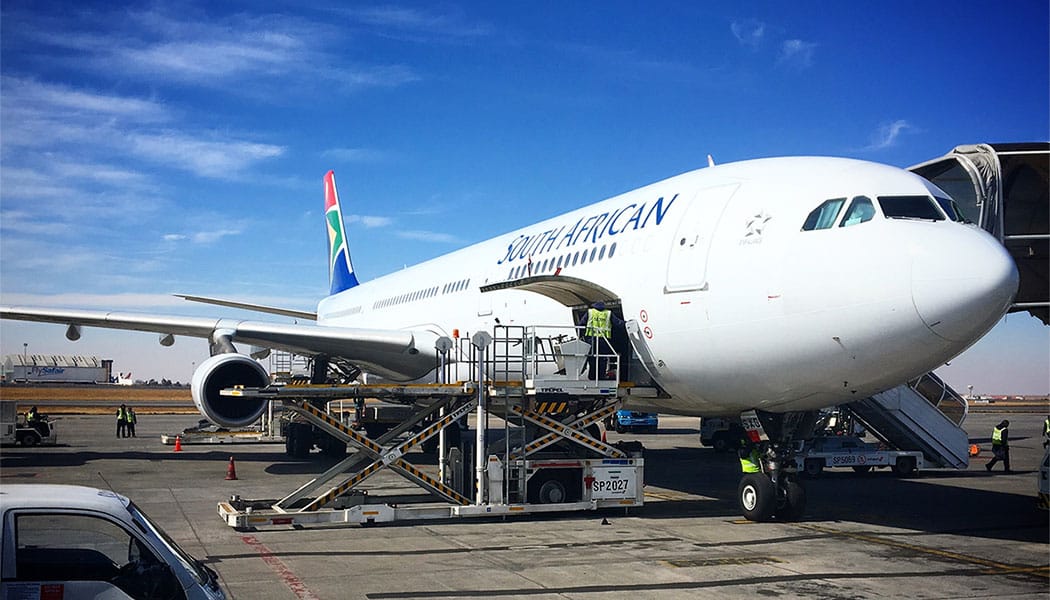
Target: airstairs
(924, 415)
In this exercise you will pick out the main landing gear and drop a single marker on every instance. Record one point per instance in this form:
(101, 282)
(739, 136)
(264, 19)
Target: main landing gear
(774, 491)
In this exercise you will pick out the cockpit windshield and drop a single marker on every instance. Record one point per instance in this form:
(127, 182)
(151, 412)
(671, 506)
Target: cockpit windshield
(951, 209)
(861, 210)
(823, 216)
(910, 207)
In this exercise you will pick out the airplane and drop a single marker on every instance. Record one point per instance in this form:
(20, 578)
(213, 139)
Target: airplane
(767, 288)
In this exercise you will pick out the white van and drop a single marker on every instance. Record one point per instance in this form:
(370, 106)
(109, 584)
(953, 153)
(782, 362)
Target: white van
(65, 541)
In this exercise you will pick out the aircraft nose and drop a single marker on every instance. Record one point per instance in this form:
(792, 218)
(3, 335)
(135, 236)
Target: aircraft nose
(963, 281)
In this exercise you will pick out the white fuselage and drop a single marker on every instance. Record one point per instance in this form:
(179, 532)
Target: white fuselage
(740, 307)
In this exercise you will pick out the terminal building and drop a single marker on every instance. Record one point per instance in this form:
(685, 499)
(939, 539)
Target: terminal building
(52, 368)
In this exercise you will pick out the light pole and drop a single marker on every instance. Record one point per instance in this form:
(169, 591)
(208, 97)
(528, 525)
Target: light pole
(25, 352)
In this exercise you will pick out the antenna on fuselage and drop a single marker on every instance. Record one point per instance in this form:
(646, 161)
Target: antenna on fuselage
(710, 161)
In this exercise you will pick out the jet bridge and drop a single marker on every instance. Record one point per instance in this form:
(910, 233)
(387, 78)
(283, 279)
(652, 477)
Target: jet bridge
(924, 415)
(1005, 189)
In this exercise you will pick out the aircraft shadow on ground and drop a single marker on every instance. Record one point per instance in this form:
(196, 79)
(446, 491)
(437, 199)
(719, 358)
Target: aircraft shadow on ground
(30, 459)
(877, 498)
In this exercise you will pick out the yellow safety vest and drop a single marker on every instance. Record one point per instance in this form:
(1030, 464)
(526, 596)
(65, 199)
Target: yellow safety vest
(131, 417)
(749, 463)
(997, 436)
(599, 323)
(121, 415)
(1046, 427)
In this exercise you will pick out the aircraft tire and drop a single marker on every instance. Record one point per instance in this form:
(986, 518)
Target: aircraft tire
(794, 502)
(814, 467)
(720, 443)
(333, 448)
(757, 497)
(905, 466)
(298, 440)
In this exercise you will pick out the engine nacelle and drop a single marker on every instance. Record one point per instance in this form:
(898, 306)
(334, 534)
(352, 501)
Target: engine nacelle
(226, 371)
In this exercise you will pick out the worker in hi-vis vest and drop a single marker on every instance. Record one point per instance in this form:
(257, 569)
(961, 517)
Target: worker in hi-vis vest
(122, 421)
(1000, 445)
(750, 457)
(1046, 432)
(597, 326)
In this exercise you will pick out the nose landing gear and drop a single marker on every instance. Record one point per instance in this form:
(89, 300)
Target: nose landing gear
(774, 490)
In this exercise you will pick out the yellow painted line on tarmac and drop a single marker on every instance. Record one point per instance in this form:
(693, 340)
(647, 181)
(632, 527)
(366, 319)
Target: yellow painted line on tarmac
(994, 567)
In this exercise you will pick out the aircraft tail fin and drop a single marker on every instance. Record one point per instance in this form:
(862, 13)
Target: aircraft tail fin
(340, 270)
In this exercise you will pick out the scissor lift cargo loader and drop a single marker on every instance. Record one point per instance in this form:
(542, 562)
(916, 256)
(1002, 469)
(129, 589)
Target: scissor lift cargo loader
(545, 457)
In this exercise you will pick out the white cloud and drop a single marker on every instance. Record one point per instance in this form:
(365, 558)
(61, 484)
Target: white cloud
(218, 158)
(272, 56)
(423, 25)
(428, 236)
(797, 54)
(354, 155)
(28, 223)
(43, 98)
(748, 32)
(201, 237)
(210, 237)
(369, 221)
(40, 115)
(887, 134)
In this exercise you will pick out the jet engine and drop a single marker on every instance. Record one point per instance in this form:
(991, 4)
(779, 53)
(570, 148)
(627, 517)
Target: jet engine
(226, 371)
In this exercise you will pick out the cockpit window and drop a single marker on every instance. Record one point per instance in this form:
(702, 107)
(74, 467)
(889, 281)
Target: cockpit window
(861, 210)
(951, 209)
(910, 207)
(823, 216)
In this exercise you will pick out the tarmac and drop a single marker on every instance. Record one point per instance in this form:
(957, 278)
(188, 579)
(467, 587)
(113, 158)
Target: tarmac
(942, 534)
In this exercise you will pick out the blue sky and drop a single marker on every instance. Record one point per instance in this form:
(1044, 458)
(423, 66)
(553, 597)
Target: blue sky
(150, 149)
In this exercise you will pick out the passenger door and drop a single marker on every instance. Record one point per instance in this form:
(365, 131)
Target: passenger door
(687, 263)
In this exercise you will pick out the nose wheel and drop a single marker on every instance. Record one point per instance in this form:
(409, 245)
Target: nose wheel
(757, 497)
(762, 500)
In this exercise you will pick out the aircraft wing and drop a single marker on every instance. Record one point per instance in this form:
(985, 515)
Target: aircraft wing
(274, 310)
(395, 354)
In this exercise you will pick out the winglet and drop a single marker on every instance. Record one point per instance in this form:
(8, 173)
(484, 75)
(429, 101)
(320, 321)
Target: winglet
(340, 270)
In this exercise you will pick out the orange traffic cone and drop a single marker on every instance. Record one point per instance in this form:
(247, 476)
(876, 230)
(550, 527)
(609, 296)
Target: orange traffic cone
(974, 450)
(603, 436)
(231, 471)
(178, 444)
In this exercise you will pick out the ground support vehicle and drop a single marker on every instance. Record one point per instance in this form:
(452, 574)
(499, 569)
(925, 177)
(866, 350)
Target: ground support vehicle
(540, 445)
(205, 432)
(16, 430)
(850, 451)
(722, 434)
(65, 541)
(632, 420)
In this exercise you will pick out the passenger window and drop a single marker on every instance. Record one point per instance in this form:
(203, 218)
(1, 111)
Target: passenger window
(910, 207)
(861, 210)
(823, 217)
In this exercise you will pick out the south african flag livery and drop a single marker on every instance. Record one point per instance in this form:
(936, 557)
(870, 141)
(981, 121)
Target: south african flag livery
(340, 271)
